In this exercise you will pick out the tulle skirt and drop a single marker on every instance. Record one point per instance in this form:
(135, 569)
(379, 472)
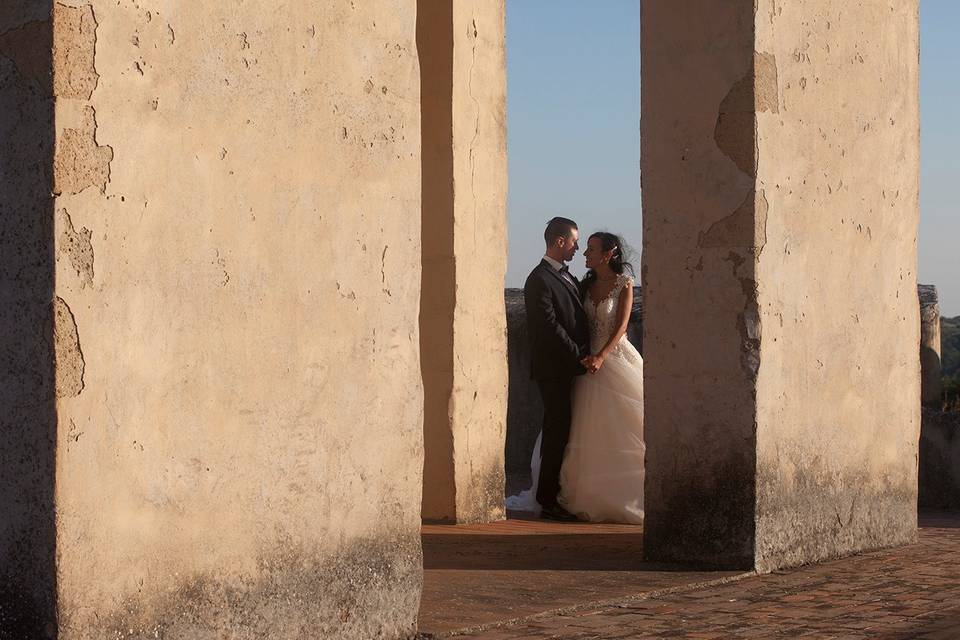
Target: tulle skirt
(603, 467)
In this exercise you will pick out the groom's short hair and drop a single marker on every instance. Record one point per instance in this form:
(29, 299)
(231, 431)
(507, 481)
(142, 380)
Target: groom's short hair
(558, 228)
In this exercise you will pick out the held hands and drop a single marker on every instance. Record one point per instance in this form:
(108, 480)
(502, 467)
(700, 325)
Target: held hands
(592, 363)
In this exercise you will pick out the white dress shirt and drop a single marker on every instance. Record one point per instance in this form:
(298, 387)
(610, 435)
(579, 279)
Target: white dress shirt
(558, 266)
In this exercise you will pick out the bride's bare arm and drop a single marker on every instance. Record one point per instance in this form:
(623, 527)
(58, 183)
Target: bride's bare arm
(624, 307)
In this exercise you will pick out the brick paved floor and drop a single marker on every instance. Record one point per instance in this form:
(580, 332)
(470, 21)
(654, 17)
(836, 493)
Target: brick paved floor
(481, 574)
(909, 592)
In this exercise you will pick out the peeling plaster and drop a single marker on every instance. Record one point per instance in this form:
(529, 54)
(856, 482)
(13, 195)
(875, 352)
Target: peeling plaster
(77, 246)
(74, 51)
(736, 129)
(767, 90)
(749, 326)
(735, 132)
(746, 227)
(79, 161)
(69, 358)
(748, 321)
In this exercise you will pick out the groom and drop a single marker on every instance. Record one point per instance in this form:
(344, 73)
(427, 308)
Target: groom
(559, 340)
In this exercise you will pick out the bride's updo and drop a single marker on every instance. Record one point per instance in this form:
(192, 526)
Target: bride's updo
(618, 261)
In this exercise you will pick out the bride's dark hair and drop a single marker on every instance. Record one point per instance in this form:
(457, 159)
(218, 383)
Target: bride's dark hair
(618, 261)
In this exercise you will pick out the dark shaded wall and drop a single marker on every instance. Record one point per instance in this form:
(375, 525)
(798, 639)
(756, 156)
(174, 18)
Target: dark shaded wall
(939, 460)
(27, 382)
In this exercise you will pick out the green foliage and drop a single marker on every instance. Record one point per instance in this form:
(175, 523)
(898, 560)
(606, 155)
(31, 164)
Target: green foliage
(950, 346)
(950, 360)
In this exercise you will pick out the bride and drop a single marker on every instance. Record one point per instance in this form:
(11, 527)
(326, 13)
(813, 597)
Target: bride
(602, 475)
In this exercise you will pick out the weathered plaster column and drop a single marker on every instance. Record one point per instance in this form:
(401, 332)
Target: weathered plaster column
(462, 320)
(699, 242)
(214, 328)
(779, 159)
(930, 366)
(838, 409)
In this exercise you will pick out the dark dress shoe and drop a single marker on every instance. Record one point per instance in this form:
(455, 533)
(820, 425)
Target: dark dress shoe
(557, 513)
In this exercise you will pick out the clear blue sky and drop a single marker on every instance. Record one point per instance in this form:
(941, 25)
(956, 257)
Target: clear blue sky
(574, 140)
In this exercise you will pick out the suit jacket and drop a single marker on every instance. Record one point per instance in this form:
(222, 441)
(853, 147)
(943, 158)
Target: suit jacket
(556, 323)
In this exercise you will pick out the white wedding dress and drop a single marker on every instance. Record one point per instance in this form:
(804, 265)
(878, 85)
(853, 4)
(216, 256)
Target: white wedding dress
(602, 475)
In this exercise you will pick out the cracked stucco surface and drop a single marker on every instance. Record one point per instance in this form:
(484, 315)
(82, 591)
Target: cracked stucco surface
(838, 389)
(479, 400)
(74, 49)
(701, 238)
(239, 302)
(69, 357)
(779, 256)
(465, 369)
(80, 162)
(76, 246)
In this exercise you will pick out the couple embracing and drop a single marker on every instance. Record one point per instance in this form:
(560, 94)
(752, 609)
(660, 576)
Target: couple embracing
(588, 462)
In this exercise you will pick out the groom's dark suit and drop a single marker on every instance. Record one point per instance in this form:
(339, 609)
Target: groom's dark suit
(559, 339)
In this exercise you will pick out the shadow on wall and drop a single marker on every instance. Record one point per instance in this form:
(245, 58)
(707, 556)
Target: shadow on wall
(939, 464)
(28, 385)
(524, 409)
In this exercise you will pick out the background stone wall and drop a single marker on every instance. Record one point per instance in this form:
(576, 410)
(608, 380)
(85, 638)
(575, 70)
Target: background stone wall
(939, 475)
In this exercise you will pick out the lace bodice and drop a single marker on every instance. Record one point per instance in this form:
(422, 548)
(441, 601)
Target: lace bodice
(603, 319)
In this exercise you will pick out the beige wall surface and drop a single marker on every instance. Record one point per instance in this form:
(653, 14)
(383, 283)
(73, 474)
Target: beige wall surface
(839, 384)
(462, 319)
(779, 166)
(237, 255)
(479, 402)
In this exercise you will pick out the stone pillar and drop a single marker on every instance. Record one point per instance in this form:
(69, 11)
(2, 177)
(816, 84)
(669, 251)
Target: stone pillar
(214, 328)
(462, 320)
(700, 341)
(930, 370)
(779, 257)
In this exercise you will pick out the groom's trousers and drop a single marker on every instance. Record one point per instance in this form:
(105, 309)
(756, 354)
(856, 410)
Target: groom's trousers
(556, 433)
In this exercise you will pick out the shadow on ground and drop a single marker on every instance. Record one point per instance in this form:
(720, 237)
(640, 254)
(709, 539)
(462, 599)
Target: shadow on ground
(933, 519)
(539, 552)
(482, 574)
